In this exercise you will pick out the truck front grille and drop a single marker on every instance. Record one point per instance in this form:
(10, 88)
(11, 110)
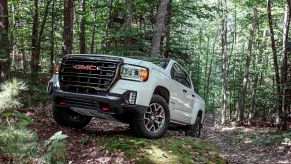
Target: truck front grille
(87, 75)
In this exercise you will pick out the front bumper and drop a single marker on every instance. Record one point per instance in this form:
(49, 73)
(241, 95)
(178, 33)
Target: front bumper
(94, 105)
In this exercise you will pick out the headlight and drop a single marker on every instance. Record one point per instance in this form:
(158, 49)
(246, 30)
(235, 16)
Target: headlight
(131, 72)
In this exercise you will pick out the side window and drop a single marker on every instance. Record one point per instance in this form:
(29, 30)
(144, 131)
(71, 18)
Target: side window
(183, 77)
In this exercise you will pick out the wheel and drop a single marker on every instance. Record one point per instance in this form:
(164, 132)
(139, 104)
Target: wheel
(195, 129)
(69, 118)
(153, 123)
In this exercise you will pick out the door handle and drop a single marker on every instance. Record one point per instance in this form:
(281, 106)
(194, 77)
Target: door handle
(184, 90)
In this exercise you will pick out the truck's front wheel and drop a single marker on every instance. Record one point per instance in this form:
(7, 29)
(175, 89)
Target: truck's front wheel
(153, 123)
(69, 118)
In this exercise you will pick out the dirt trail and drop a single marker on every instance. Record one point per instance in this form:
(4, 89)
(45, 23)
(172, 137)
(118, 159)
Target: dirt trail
(236, 150)
(82, 144)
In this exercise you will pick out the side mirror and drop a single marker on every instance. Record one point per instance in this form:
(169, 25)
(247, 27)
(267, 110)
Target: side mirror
(179, 74)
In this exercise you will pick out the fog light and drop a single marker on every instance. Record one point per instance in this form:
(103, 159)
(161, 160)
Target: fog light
(132, 97)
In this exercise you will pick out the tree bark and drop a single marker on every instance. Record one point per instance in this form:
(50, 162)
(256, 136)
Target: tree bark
(4, 45)
(34, 42)
(93, 32)
(127, 27)
(247, 65)
(52, 41)
(224, 62)
(82, 40)
(36, 38)
(158, 28)
(276, 67)
(284, 68)
(68, 27)
(168, 30)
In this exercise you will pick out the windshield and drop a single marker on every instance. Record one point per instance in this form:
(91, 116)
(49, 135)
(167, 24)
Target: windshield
(161, 62)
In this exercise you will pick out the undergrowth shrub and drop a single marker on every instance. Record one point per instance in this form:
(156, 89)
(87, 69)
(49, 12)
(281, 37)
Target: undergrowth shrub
(18, 142)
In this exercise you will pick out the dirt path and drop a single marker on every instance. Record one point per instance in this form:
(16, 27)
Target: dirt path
(235, 147)
(233, 144)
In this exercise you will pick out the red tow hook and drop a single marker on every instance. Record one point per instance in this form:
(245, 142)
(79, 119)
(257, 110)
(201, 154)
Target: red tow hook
(62, 102)
(105, 108)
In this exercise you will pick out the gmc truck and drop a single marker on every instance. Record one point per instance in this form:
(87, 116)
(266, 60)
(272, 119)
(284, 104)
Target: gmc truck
(149, 96)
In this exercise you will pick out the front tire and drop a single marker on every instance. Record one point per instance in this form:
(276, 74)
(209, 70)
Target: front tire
(153, 123)
(69, 118)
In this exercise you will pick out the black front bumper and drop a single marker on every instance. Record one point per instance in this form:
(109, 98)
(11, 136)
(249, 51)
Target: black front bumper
(115, 103)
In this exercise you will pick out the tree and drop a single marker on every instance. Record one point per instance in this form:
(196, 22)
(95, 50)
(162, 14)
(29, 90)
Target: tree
(247, 65)
(68, 27)
(52, 46)
(224, 61)
(4, 24)
(36, 38)
(82, 38)
(168, 30)
(127, 27)
(284, 68)
(158, 28)
(275, 63)
(34, 42)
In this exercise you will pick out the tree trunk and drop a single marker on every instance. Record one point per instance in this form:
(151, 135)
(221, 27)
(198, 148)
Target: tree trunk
(158, 28)
(93, 32)
(34, 43)
(36, 38)
(68, 27)
(82, 40)
(206, 67)
(224, 61)
(52, 41)
(4, 45)
(110, 2)
(127, 27)
(277, 76)
(168, 30)
(284, 68)
(247, 65)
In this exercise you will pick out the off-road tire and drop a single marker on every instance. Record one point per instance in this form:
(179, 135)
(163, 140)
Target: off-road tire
(138, 124)
(65, 117)
(195, 129)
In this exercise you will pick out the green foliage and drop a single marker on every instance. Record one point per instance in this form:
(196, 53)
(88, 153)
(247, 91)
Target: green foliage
(9, 92)
(15, 139)
(18, 141)
(54, 149)
(271, 138)
(166, 150)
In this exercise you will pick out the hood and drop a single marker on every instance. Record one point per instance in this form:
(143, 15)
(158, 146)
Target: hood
(104, 57)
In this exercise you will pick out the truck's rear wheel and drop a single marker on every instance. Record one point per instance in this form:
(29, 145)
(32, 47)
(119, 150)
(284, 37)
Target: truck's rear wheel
(195, 129)
(69, 118)
(154, 122)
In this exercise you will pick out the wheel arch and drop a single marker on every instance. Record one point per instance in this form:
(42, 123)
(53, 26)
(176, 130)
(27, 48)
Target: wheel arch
(162, 91)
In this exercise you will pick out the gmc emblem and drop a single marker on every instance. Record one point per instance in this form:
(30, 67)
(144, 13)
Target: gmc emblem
(85, 67)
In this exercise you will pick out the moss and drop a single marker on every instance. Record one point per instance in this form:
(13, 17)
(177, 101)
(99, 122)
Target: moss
(165, 150)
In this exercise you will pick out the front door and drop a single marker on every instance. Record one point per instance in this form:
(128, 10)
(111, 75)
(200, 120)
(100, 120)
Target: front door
(181, 98)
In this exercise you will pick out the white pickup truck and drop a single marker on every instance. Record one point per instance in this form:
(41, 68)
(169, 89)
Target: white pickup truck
(147, 95)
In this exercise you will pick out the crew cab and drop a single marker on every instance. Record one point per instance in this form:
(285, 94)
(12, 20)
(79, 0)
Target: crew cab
(149, 96)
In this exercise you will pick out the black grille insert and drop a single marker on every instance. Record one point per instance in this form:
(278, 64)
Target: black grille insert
(87, 75)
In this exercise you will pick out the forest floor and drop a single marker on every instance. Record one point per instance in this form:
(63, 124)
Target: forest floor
(104, 141)
(248, 145)
(112, 142)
